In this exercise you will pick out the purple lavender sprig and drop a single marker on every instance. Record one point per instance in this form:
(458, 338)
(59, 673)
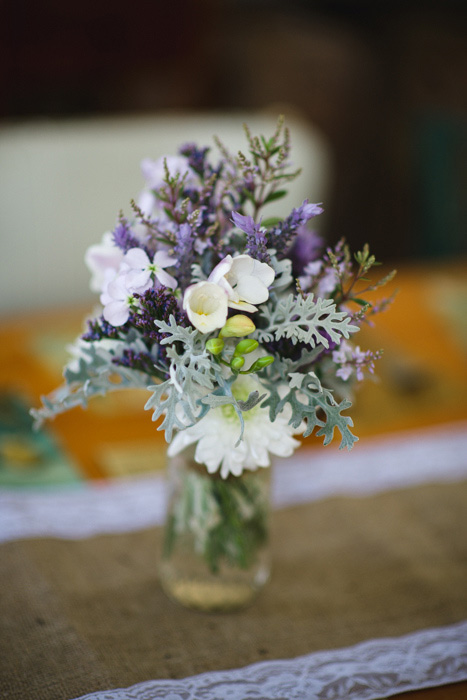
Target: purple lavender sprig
(282, 236)
(256, 245)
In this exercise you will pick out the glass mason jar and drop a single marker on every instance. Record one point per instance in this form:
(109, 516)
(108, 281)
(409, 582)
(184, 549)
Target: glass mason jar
(215, 553)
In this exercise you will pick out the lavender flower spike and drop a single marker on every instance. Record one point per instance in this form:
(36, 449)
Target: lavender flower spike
(282, 237)
(245, 223)
(256, 238)
(307, 211)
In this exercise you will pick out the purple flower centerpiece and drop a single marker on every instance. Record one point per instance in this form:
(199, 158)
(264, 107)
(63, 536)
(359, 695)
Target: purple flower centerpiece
(240, 328)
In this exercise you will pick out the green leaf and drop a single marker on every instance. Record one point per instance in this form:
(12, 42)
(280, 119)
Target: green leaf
(273, 151)
(249, 195)
(272, 196)
(272, 221)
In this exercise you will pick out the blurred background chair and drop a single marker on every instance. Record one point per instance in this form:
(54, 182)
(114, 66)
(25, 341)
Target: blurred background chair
(63, 183)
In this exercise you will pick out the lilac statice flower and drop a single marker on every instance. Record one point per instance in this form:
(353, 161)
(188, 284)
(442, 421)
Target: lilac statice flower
(354, 361)
(156, 304)
(99, 329)
(319, 278)
(140, 361)
(282, 236)
(125, 238)
(255, 237)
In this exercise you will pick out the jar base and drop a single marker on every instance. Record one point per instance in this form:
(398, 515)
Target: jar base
(211, 595)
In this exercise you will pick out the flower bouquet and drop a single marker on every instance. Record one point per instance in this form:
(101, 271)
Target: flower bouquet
(239, 326)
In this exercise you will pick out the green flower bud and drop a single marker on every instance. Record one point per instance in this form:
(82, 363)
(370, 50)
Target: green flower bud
(237, 362)
(245, 346)
(215, 346)
(237, 326)
(261, 362)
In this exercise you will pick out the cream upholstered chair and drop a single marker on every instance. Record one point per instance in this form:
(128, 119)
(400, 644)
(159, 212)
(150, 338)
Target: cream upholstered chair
(62, 185)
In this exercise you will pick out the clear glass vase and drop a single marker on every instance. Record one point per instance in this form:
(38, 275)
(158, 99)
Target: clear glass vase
(215, 553)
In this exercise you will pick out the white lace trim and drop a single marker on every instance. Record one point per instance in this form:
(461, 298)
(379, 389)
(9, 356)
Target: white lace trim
(395, 461)
(375, 669)
(399, 460)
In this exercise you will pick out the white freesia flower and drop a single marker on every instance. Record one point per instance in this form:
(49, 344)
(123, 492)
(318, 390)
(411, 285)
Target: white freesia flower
(101, 259)
(206, 306)
(245, 280)
(217, 435)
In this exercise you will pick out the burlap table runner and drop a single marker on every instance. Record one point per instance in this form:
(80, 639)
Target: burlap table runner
(79, 616)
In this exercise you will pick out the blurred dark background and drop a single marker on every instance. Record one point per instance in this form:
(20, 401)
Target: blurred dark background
(386, 82)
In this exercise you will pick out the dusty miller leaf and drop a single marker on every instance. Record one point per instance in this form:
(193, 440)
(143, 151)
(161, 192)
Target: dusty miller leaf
(312, 403)
(92, 373)
(165, 401)
(283, 270)
(197, 273)
(191, 374)
(305, 320)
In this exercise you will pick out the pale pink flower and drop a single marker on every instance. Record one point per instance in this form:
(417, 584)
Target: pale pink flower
(141, 269)
(102, 259)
